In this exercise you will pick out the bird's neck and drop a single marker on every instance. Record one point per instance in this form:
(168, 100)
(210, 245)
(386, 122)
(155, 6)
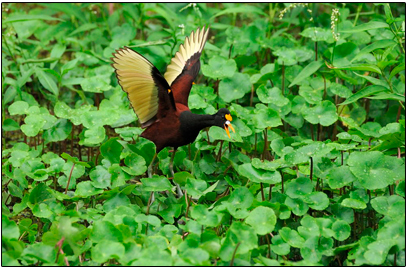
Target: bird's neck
(191, 122)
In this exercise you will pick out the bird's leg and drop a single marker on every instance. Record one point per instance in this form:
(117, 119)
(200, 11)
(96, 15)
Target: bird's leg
(150, 167)
(179, 191)
(150, 175)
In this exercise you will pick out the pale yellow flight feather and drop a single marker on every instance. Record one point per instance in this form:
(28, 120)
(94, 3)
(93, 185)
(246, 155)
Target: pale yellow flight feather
(134, 75)
(193, 44)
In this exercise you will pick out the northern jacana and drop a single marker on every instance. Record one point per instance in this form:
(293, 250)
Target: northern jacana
(161, 102)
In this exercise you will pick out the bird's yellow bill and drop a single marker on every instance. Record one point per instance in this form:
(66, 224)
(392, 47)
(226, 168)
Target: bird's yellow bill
(227, 126)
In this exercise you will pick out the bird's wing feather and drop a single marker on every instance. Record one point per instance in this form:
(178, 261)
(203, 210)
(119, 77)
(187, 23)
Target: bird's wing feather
(185, 65)
(144, 85)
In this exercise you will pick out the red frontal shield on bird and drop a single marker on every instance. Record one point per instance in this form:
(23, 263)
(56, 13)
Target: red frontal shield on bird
(228, 124)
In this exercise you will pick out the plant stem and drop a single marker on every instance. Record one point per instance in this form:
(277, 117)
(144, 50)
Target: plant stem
(73, 130)
(311, 168)
(69, 179)
(187, 203)
(234, 253)
(268, 244)
(251, 96)
(312, 132)
(262, 191)
(265, 145)
(282, 182)
(283, 78)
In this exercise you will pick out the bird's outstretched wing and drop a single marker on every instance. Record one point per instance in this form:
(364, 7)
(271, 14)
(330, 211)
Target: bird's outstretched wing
(185, 65)
(146, 88)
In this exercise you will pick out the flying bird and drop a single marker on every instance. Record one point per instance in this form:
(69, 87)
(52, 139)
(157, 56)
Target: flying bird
(161, 102)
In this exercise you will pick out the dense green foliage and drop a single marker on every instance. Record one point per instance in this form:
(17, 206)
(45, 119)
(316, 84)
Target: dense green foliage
(314, 174)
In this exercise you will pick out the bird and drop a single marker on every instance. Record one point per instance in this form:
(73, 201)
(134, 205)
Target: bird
(161, 102)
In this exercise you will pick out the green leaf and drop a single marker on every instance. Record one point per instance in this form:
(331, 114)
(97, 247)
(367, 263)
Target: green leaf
(390, 96)
(279, 246)
(292, 56)
(156, 183)
(136, 164)
(340, 90)
(259, 175)
(310, 94)
(101, 178)
(389, 205)
(86, 189)
(366, 26)
(181, 177)
(240, 9)
(10, 125)
(262, 219)
(18, 108)
(353, 203)
(33, 124)
(310, 69)
(105, 230)
(9, 228)
(241, 234)
(375, 81)
(41, 252)
(43, 211)
(144, 148)
(299, 187)
(153, 257)
(195, 187)
(106, 250)
(264, 117)
(68, 157)
(397, 69)
(95, 84)
(359, 67)
(205, 217)
(379, 44)
(291, 237)
(83, 28)
(297, 206)
(78, 169)
(27, 17)
(341, 230)
(219, 68)
(234, 87)
(317, 200)
(111, 150)
(339, 177)
(323, 113)
(378, 251)
(46, 81)
(67, 8)
(264, 164)
(216, 133)
(68, 66)
(318, 34)
(368, 91)
(59, 131)
(240, 199)
(195, 256)
(40, 194)
(374, 170)
(271, 95)
(395, 230)
(93, 136)
(401, 188)
(150, 219)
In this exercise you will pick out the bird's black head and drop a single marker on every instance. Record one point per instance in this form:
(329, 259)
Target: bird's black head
(223, 119)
